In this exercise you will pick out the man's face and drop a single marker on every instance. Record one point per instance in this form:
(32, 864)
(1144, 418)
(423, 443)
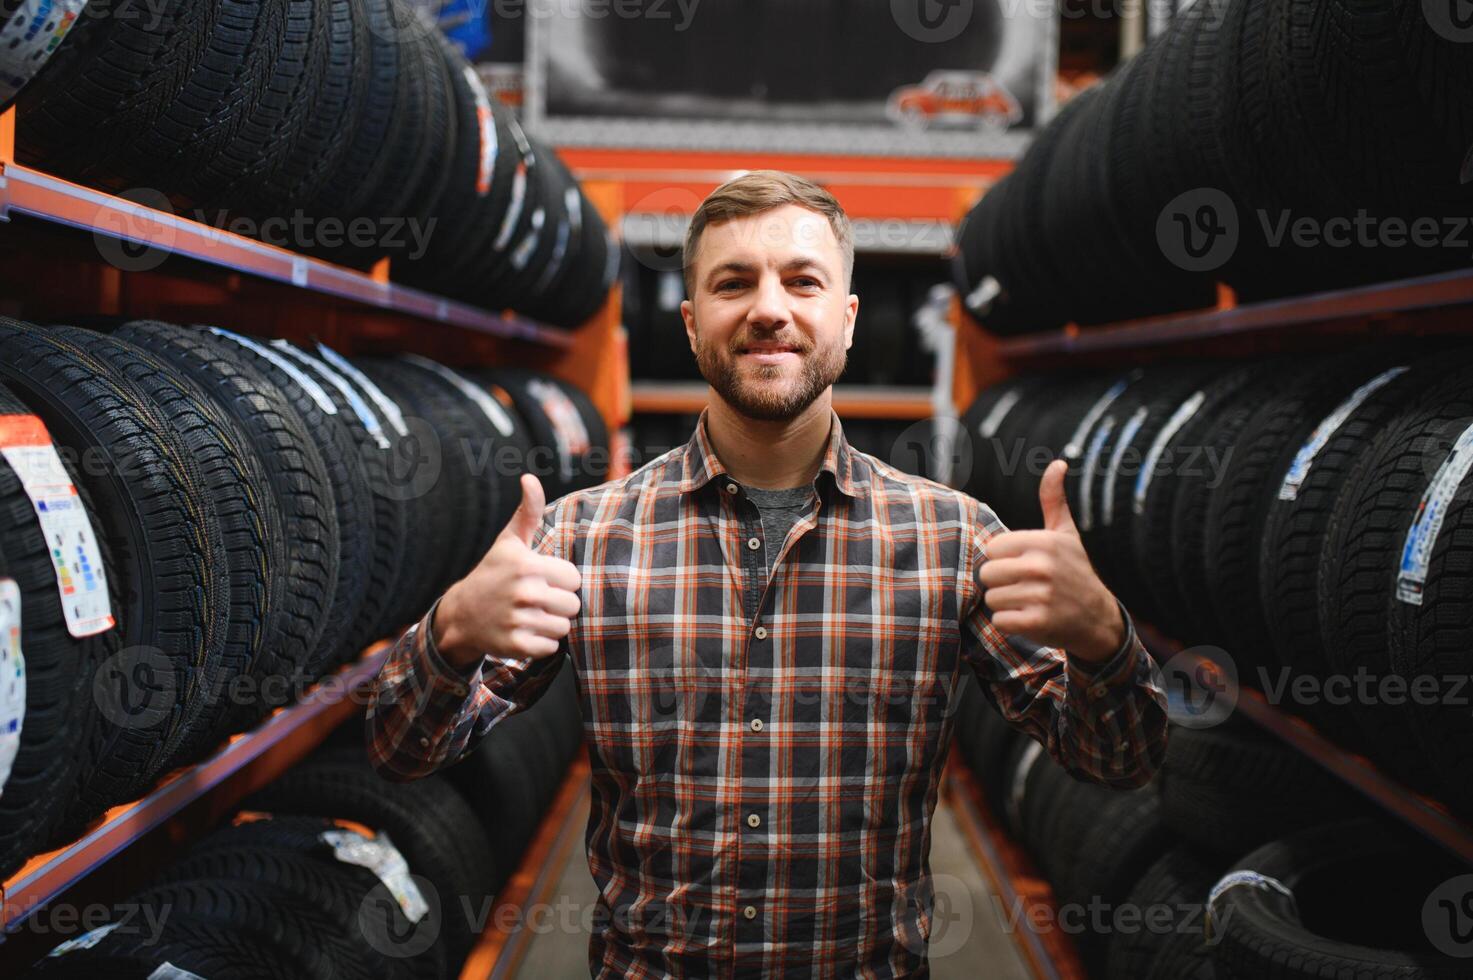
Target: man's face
(771, 319)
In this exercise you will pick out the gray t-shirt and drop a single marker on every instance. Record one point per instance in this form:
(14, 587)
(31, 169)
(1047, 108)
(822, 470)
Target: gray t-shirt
(780, 510)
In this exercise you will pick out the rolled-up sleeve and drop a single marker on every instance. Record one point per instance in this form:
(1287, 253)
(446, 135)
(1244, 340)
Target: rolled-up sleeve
(1105, 722)
(424, 714)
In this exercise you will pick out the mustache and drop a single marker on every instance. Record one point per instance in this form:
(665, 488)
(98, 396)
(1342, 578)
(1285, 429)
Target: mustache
(797, 345)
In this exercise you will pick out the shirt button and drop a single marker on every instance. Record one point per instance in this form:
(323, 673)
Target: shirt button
(754, 543)
(731, 488)
(1097, 690)
(753, 820)
(424, 743)
(760, 632)
(756, 724)
(750, 911)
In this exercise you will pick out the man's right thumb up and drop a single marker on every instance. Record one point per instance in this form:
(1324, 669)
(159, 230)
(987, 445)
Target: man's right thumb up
(528, 517)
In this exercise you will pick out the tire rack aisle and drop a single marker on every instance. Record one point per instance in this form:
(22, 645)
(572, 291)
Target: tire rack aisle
(209, 269)
(182, 805)
(1430, 305)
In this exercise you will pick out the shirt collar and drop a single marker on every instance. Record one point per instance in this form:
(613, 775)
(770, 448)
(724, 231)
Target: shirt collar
(840, 461)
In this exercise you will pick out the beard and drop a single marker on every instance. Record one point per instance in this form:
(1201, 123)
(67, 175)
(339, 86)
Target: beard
(770, 392)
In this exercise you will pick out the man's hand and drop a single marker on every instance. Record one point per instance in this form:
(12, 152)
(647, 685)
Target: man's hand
(515, 603)
(1041, 585)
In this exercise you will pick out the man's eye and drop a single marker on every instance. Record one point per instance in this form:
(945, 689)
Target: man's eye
(806, 281)
(728, 286)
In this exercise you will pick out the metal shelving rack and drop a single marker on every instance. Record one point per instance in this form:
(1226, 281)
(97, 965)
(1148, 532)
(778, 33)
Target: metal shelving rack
(1427, 305)
(207, 273)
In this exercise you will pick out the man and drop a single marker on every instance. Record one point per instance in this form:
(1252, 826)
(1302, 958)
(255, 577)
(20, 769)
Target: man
(768, 628)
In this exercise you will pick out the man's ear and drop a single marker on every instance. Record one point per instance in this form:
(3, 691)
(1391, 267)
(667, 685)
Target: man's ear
(851, 315)
(688, 314)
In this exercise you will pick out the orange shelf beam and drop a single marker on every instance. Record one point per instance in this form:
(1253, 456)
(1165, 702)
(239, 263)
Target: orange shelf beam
(248, 761)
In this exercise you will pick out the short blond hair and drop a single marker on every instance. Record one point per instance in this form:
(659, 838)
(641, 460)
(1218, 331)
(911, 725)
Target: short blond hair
(759, 191)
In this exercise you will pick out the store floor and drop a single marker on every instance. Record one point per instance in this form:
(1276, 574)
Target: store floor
(968, 938)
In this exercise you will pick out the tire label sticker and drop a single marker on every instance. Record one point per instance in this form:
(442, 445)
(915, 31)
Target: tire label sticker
(30, 37)
(71, 540)
(379, 855)
(513, 209)
(350, 394)
(314, 390)
(567, 424)
(1117, 455)
(12, 679)
(1242, 879)
(385, 404)
(1299, 469)
(1179, 418)
(1416, 553)
(168, 971)
(999, 412)
(488, 129)
(1086, 479)
(489, 406)
(522, 254)
(1074, 446)
(85, 941)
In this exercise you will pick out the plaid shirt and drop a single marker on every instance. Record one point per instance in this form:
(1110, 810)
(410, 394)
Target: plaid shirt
(766, 752)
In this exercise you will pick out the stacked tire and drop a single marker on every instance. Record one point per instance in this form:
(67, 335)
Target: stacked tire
(333, 872)
(1241, 859)
(350, 129)
(1298, 519)
(1282, 148)
(246, 516)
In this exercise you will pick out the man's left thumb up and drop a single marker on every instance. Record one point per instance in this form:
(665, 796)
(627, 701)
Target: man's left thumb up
(1055, 504)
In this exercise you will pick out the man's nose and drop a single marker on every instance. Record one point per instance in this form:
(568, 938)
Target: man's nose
(769, 303)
